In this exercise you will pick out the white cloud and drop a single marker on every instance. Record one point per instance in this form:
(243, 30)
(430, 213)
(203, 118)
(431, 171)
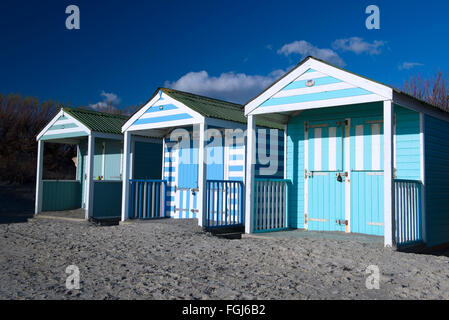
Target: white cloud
(409, 65)
(110, 101)
(230, 86)
(305, 49)
(358, 45)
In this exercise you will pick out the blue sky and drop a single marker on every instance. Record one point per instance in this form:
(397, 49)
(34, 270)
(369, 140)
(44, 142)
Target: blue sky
(225, 49)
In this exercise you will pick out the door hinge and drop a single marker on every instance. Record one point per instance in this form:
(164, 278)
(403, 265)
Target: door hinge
(307, 174)
(341, 222)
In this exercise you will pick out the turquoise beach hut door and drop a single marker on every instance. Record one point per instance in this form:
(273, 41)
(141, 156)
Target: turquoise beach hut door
(367, 176)
(325, 176)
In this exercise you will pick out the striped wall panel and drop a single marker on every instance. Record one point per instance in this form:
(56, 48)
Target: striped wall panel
(235, 159)
(170, 175)
(367, 144)
(269, 153)
(64, 128)
(314, 86)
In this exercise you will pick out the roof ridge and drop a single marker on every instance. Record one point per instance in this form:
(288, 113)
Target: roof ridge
(94, 112)
(237, 105)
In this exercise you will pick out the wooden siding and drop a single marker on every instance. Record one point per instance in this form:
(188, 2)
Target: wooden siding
(147, 160)
(182, 178)
(437, 180)
(58, 195)
(407, 144)
(107, 199)
(366, 183)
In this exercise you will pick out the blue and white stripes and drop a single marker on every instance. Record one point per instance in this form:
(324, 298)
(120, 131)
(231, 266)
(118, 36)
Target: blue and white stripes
(367, 145)
(314, 86)
(234, 158)
(181, 203)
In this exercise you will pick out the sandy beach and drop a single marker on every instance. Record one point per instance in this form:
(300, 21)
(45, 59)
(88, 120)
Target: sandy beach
(174, 259)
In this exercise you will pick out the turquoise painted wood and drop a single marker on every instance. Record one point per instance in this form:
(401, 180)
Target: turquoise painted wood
(407, 144)
(147, 160)
(408, 212)
(367, 198)
(437, 180)
(367, 179)
(326, 192)
(366, 161)
(58, 195)
(295, 149)
(107, 199)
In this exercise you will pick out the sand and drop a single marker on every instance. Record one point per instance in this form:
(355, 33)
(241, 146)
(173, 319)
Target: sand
(174, 259)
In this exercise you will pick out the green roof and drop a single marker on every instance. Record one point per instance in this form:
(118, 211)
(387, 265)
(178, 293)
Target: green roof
(214, 108)
(98, 121)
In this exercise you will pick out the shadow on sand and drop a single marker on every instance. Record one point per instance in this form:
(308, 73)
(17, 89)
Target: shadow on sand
(16, 203)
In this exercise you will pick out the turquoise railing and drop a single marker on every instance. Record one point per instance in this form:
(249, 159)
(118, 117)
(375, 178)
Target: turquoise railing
(408, 211)
(270, 205)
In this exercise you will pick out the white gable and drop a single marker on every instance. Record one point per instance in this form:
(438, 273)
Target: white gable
(315, 84)
(161, 112)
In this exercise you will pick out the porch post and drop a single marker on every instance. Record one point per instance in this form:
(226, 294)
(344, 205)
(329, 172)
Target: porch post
(202, 173)
(39, 168)
(389, 221)
(125, 175)
(90, 176)
(423, 175)
(250, 171)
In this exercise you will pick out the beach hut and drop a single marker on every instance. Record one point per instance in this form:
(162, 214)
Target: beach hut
(203, 166)
(362, 157)
(99, 144)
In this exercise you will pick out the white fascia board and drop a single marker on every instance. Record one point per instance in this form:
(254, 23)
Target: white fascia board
(249, 108)
(79, 124)
(49, 125)
(168, 124)
(139, 113)
(408, 102)
(385, 92)
(358, 81)
(55, 119)
(319, 104)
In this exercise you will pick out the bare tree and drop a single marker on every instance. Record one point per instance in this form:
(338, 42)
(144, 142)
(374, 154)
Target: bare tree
(434, 90)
